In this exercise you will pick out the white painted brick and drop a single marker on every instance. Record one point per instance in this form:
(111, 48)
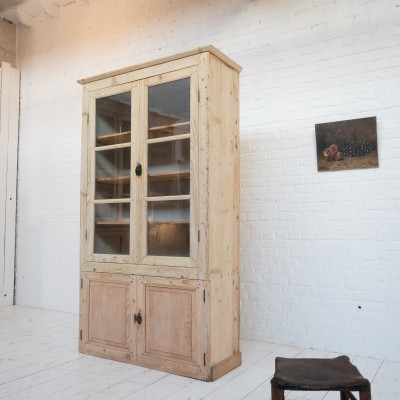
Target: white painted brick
(313, 245)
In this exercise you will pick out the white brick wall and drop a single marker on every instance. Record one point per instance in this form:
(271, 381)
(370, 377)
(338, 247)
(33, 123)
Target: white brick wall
(320, 252)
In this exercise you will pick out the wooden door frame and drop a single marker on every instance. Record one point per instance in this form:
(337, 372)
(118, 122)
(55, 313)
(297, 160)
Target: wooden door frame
(171, 76)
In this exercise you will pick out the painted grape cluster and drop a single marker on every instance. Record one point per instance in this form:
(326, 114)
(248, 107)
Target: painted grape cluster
(356, 149)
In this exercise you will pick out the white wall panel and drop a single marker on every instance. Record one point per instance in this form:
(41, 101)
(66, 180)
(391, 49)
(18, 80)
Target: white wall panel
(9, 116)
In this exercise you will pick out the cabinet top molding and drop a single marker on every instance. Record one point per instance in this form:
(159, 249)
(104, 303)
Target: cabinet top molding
(199, 50)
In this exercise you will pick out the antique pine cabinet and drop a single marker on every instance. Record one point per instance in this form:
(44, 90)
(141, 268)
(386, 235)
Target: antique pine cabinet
(160, 215)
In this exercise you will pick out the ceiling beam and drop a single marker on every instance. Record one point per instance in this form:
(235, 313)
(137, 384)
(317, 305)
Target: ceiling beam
(19, 17)
(25, 12)
(10, 5)
(50, 9)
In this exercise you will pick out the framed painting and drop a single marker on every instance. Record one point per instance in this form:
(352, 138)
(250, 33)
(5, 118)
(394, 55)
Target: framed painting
(349, 144)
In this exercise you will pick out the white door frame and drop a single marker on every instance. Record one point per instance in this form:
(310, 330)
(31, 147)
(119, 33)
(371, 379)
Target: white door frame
(9, 118)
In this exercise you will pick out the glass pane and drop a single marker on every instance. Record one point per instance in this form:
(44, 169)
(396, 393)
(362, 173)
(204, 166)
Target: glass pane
(111, 234)
(113, 173)
(113, 119)
(169, 168)
(168, 228)
(169, 109)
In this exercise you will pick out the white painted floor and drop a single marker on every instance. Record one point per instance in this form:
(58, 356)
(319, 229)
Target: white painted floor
(39, 360)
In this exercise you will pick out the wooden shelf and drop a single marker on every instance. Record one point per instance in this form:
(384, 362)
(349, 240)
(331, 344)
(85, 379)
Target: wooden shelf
(102, 195)
(169, 176)
(162, 127)
(167, 130)
(114, 138)
(114, 180)
(113, 223)
(178, 222)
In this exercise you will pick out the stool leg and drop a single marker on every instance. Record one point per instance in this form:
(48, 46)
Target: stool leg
(277, 394)
(347, 396)
(365, 395)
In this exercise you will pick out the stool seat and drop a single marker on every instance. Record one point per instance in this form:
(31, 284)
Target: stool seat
(327, 374)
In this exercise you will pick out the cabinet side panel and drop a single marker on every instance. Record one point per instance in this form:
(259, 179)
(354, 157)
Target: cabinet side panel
(223, 218)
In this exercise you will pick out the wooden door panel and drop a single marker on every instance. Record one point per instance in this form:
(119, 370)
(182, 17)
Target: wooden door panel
(172, 334)
(106, 321)
(107, 313)
(169, 327)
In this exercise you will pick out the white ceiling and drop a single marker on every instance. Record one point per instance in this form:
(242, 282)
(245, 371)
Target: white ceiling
(27, 12)
(7, 3)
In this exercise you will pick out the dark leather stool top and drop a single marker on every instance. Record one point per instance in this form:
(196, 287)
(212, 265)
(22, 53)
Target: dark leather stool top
(318, 374)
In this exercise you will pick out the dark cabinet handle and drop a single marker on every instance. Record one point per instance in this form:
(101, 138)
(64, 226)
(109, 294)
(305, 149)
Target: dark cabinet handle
(137, 318)
(138, 169)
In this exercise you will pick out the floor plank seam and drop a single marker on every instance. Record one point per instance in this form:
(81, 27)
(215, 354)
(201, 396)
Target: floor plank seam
(44, 370)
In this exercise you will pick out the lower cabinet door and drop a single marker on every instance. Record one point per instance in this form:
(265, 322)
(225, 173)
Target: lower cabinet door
(171, 336)
(106, 316)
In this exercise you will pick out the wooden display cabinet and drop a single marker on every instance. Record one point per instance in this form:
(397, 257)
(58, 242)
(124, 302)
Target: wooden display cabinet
(160, 215)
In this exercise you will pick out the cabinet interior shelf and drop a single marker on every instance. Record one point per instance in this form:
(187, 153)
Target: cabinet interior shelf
(169, 176)
(168, 129)
(114, 138)
(114, 180)
(111, 223)
(119, 223)
(161, 127)
(178, 222)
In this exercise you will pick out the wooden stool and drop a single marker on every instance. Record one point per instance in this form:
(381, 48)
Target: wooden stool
(330, 374)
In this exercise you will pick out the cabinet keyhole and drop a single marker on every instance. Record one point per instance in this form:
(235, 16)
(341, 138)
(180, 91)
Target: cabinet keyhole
(138, 169)
(137, 318)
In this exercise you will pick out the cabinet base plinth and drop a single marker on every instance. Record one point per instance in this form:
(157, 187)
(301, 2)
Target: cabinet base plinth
(105, 352)
(226, 365)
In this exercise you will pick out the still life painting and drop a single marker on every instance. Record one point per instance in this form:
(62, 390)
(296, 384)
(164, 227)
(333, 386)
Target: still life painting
(349, 144)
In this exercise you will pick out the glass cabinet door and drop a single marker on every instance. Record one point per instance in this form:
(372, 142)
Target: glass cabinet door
(142, 161)
(112, 180)
(168, 192)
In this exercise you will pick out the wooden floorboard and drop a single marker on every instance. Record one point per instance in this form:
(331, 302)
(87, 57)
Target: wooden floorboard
(39, 360)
